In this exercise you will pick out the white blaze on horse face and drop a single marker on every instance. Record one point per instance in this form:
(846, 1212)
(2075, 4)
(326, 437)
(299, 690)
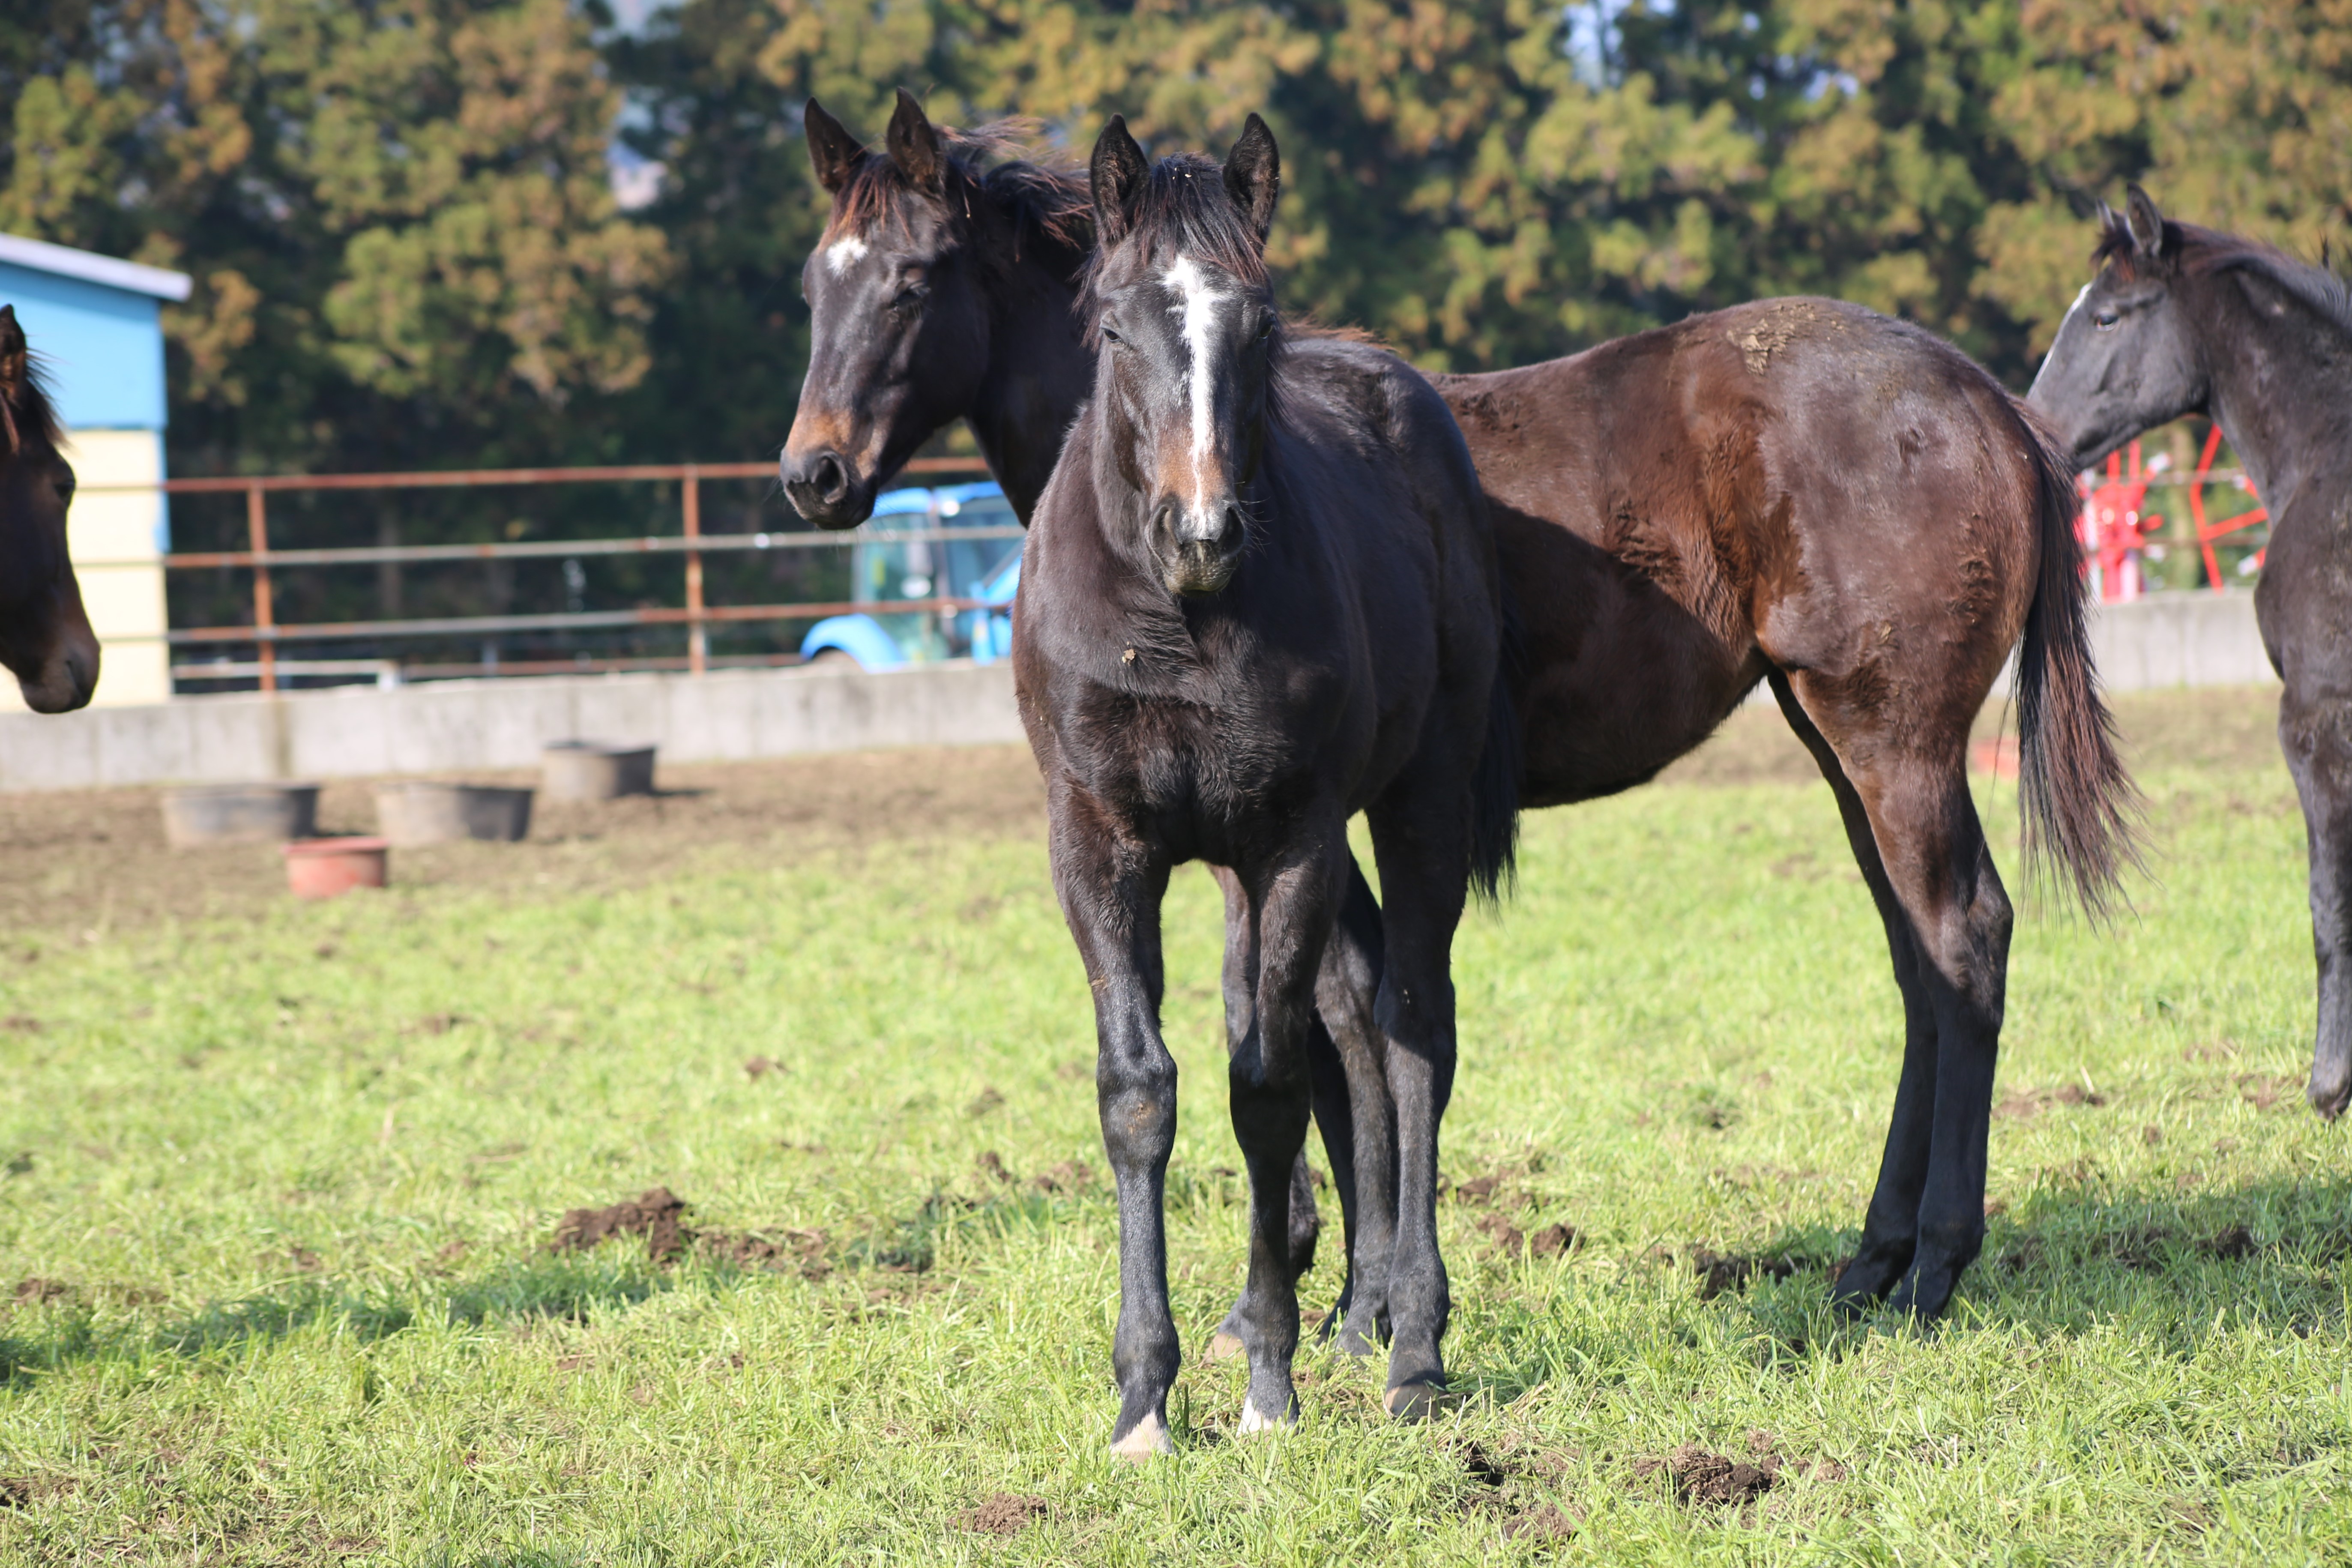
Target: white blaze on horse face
(1199, 312)
(845, 253)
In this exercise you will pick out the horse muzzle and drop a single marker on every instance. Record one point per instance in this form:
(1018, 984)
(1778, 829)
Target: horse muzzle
(1198, 558)
(825, 488)
(65, 681)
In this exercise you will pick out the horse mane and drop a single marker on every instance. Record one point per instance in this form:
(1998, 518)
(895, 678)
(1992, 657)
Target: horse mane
(994, 162)
(31, 406)
(2201, 252)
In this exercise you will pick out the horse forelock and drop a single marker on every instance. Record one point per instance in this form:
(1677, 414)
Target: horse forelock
(1184, 216)
(993, 167)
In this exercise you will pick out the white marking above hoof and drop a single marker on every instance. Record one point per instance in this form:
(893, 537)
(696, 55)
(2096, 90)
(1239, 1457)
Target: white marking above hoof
(1416, 1401)
(1253, 1421)
(1147, 1439)
(1223, 1346)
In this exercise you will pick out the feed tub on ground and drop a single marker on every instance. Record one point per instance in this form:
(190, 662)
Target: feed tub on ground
(322, 867)
(239, 814)
(595, 770)
(411, 814)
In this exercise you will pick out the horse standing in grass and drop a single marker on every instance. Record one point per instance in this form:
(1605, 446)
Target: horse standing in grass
(44, 636)
(1259, 596)
(2182, 320)
(1796, 491)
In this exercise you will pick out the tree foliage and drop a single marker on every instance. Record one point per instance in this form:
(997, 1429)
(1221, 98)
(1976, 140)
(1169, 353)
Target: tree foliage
(407, 249)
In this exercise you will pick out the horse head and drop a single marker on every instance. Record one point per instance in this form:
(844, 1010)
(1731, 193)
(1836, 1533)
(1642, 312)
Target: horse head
(2125, 358)
(1187, 336)
(44, 636)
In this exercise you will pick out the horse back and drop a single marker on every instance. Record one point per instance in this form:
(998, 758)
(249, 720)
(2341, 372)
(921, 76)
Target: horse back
(1796, 482)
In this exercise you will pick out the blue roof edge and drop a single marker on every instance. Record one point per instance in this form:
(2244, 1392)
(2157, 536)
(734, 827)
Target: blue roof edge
(64, 262)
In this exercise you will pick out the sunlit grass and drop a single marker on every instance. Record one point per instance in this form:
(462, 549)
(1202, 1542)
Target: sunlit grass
(281, 1192)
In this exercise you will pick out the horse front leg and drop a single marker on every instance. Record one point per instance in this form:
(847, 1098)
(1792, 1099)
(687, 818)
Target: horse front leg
(1271, 1084)
(1241, 1008)
(2315, 734)
(1110, 890)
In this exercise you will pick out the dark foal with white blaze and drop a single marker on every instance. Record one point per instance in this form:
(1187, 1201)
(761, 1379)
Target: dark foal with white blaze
(946, 287)
(2182, 320)
(44, 636)
(1259, 596)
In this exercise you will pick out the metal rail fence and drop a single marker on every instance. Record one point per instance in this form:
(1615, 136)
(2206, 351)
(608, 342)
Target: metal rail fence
(265, 633)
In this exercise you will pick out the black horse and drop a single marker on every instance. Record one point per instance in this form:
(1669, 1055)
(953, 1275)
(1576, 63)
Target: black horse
(44, 636)
(1259, 596)
(2182, 320)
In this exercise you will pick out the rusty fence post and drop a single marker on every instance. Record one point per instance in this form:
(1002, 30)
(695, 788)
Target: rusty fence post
(256, 527)
(697, 639)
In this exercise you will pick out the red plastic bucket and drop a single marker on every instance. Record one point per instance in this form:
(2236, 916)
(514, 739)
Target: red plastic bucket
(322, 867)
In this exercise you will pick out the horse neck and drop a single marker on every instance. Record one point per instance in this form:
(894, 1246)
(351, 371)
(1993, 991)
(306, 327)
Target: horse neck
(2253, 359)
(1039, 372)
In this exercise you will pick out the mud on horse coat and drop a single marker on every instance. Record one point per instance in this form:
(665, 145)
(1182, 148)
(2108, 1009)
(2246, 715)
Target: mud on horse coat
(2182, 320)
(45, 638)
(1259, 596)
(1797, 491)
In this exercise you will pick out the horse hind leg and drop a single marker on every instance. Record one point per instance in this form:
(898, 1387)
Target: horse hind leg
(1922, 851)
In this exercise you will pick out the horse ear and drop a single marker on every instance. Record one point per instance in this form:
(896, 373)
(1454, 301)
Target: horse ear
(914, 145)
(2147, 224)
(1117, 172)
(1254, 175)
(12, 373)
(832, 150)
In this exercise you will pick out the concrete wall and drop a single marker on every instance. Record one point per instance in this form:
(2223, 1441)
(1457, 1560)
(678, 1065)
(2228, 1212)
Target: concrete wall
(2184, 639)
(453, 726)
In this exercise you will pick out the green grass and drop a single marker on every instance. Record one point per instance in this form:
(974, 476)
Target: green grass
(296, 1178)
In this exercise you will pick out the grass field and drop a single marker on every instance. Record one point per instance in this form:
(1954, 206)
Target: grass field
(281, 1181)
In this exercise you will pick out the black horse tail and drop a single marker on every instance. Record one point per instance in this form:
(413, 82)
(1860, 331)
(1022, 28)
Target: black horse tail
(2079, 806)
(1495, 787)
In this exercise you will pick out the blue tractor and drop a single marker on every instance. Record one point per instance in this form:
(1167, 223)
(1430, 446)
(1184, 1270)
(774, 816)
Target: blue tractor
(887, 570)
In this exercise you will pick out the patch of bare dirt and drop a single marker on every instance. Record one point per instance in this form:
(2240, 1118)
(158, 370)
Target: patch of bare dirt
(1704, 1478)
(93, 860)
(1004, 1514)
(2026, 1104)
(657, 1215)
(33, 1289)
(2220, 729)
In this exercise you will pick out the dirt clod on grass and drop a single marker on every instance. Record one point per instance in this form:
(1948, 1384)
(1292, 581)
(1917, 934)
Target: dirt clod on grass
(760, 1066)
(1004, 1514)
(33, 1290)
(2233, 1243)
(1718, 1480)
(1720, 1271)
(1549, 1522)
(802, 1251)
(2026, 1104)
(657, 1215)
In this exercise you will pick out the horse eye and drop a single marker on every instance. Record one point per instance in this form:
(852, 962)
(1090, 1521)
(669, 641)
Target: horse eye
(1265, 329)
(912, 295)
(2104, 319)
(1111, 337)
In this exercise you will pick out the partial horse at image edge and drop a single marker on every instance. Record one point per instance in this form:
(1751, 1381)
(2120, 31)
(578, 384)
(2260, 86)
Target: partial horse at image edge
(46, 640)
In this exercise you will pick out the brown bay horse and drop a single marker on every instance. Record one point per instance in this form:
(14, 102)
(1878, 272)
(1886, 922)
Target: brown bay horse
(1798, 492)
(44, 636)
(2182, 320)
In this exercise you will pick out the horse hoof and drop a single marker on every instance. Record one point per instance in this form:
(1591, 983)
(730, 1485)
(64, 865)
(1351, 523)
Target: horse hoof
(1415, 1401)
(1147, 1439)
(1223, 1346)
(1252, 1421)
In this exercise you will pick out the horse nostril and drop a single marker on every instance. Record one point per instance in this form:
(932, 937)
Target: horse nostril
(1166, 519)
(1232, 532)
(831, 481)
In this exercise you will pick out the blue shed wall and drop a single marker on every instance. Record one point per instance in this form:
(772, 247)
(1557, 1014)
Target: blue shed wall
(103, 348)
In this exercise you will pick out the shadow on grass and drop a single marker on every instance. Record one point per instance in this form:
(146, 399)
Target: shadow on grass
(572, 1288)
